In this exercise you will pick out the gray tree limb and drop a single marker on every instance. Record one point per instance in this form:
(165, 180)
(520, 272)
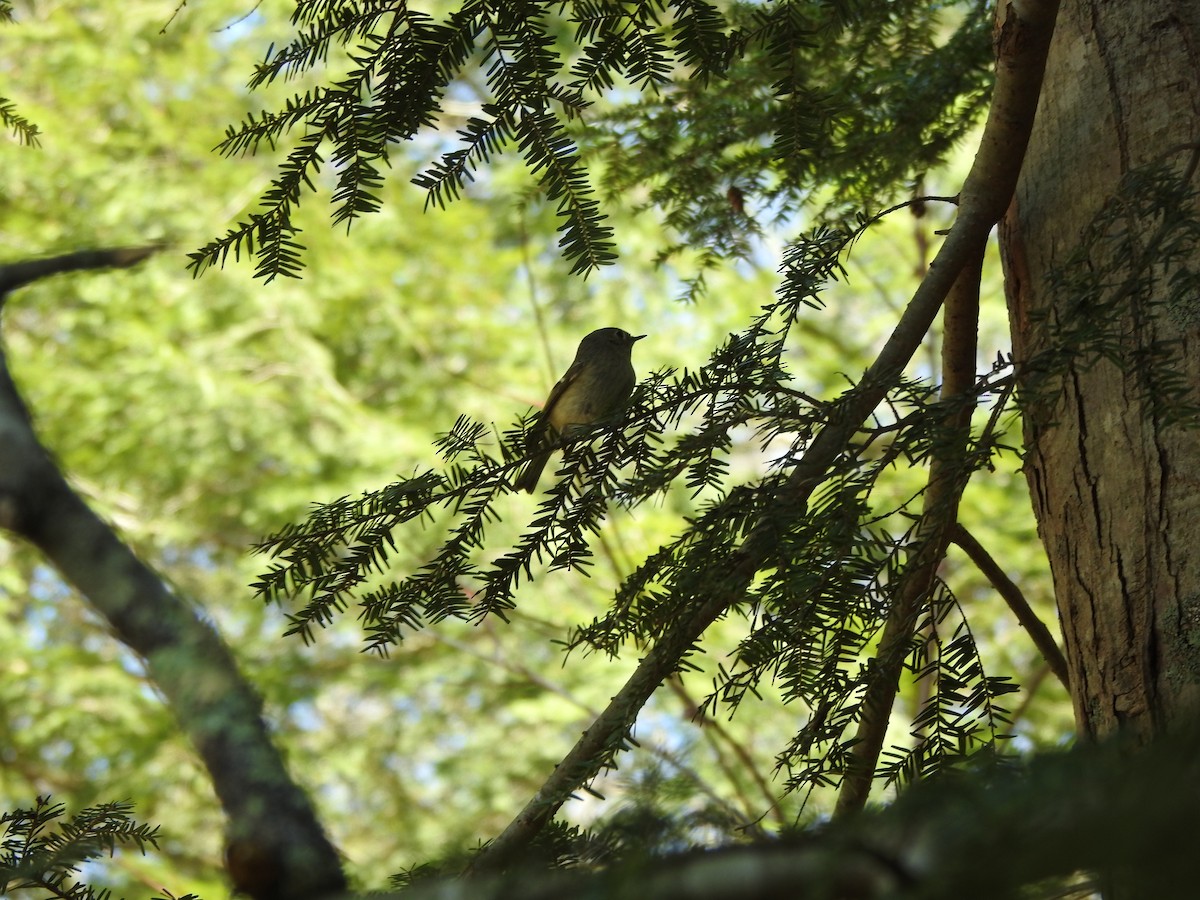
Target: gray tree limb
(276, 846)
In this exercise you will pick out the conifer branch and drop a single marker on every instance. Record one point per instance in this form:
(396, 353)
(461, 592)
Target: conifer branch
(39, 852)
(598, 747)
(697, 66)
(25, 131)
(1022, 50)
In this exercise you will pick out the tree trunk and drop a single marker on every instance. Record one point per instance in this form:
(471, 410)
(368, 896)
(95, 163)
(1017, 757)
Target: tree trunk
(1114, 483)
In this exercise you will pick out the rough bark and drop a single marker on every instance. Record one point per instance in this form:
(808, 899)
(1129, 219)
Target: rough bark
(1113, 482)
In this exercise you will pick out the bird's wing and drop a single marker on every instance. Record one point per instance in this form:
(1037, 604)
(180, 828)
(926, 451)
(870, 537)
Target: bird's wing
(556, 393)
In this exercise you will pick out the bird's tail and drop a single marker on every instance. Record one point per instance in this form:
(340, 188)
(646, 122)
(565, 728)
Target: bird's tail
(528, 479)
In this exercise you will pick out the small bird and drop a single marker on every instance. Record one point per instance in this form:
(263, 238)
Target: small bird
(594, 388)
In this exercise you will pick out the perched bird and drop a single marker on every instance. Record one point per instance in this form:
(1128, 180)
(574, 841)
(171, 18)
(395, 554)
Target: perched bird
(594, 389)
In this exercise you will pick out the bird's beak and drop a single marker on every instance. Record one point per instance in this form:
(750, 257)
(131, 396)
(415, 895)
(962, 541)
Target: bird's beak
(635, 338)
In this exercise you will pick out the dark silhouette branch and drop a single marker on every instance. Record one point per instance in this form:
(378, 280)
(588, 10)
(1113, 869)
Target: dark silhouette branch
(19, 274)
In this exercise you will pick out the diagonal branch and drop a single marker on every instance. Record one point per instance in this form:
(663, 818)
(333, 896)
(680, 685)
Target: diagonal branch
(1022, 46)
(277, 847)
(1007, 588)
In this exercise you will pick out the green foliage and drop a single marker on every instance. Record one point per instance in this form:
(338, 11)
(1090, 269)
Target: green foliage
(837, 105)
(36, 856)
(200, 415)
(740, 104)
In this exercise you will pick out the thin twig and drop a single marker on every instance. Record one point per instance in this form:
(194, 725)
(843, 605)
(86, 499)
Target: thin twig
(710, 726)
(1007, 588)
